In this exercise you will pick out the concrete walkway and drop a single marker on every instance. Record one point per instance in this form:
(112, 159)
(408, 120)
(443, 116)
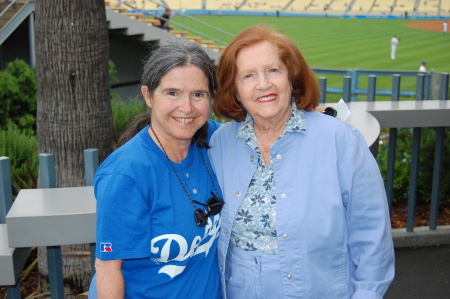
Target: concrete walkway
(421, 273)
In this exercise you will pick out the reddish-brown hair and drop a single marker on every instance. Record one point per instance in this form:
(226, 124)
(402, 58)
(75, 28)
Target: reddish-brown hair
(304, 83)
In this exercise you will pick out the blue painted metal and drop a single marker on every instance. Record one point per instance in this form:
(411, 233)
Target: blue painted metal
(396, 87)
(391, 166)
(5, 205)
(5, 188)
(420, 87)
(47, 170)
(437, 170)
(92, 248)
(323, 89)
(392, 146)
(371, 88)
(14, 292)
(415, 160)
(443, 90)
(413, 179)
(438, 154)
(55, 275)
(90, 167)
(357, 73)
(54, 260)
(347, 93)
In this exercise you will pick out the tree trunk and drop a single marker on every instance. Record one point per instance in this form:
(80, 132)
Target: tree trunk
(73, 108)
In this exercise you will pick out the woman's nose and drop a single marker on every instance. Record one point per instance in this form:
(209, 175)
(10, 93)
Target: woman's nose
(263, 81)
(186, 105)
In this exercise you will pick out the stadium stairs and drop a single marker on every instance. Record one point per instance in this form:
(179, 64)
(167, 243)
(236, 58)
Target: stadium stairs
(133, 12)
(12, 15)
(119, 23)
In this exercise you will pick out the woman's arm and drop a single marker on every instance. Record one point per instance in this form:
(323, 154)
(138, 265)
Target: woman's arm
(110, 283)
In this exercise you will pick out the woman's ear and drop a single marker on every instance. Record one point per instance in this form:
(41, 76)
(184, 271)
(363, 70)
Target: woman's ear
(146, 95)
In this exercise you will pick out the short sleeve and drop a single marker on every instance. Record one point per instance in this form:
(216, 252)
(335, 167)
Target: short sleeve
(123, 221)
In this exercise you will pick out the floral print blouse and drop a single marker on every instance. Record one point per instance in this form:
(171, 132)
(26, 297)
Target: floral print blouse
(254, 227)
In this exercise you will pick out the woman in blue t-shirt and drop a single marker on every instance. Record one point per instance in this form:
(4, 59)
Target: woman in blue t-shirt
(158, 201)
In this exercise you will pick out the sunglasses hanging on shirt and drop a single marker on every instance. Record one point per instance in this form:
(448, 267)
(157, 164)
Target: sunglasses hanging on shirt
(214, 203)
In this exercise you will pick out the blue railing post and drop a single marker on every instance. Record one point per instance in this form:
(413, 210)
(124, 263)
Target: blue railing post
(90, 166)
(413, 178)
(5, 204)
(392, 146)
(5, 188)
(347, 89)
(420, 87)
(371, 88)
(54, 260)
(435, 188)
(354, 84)
(443, 90)
(438, 153)
(427, 90)
(323, 89)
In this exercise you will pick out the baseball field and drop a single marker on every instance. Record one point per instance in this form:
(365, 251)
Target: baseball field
(351, 43)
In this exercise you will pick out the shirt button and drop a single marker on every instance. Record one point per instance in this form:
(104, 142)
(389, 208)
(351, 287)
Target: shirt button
(221, 268)
(278, 156)
(289, 276)
(226, 231)
(237, 193)
(187, 174)
(283, 195)
(194, 191)
(284, 236)
(252, 158)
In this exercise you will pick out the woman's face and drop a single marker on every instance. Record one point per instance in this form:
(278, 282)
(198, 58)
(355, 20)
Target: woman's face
(180, 104)
(262, 83)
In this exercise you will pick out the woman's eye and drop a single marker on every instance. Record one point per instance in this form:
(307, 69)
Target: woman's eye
(249, 76)
(199, 96)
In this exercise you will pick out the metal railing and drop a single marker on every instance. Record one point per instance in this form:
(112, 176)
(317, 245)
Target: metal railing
(152, 13)
(356, 76)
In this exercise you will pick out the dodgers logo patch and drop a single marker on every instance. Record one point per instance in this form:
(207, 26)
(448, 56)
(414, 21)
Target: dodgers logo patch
(105, 247)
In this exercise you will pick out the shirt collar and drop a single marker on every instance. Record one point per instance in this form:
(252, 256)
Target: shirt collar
(295, 124)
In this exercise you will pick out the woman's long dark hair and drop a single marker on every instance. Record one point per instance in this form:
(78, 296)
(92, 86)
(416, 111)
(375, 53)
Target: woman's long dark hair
(167, 56)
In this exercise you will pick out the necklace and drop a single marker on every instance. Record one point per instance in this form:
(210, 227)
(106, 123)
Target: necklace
(178, 177)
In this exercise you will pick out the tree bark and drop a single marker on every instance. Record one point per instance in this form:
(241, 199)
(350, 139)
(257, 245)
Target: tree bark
(73, 108)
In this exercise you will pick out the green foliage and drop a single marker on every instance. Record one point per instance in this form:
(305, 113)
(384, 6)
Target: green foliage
(403, 159)
(18, 95)
(124, 112)
(20, 146)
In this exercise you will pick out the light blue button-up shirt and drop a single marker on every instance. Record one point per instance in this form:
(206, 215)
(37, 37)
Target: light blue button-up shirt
(333, 228)
(254, 228)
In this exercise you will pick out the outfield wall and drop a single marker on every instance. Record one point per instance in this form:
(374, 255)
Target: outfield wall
(208, 12)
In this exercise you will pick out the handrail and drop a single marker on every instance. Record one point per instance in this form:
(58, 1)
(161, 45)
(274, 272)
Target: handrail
(183, 14)
(206, 24)
(7, 8)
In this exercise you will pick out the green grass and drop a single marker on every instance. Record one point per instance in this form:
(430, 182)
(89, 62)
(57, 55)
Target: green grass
(349, 43)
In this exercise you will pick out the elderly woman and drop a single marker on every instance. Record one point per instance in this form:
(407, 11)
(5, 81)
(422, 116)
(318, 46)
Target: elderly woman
(158, 201)
(305, 212)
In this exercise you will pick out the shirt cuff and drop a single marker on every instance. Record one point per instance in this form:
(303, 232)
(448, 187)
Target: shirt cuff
(366, 294)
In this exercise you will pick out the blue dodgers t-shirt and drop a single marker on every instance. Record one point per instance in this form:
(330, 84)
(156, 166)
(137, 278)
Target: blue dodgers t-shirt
(145, 218)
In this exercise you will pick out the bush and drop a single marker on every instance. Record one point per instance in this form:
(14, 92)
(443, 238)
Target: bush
(18, 96)
(123, 113)
(403, 159)
(20, 146)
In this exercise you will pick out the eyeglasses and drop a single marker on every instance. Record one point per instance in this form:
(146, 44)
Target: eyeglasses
(214, 206)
